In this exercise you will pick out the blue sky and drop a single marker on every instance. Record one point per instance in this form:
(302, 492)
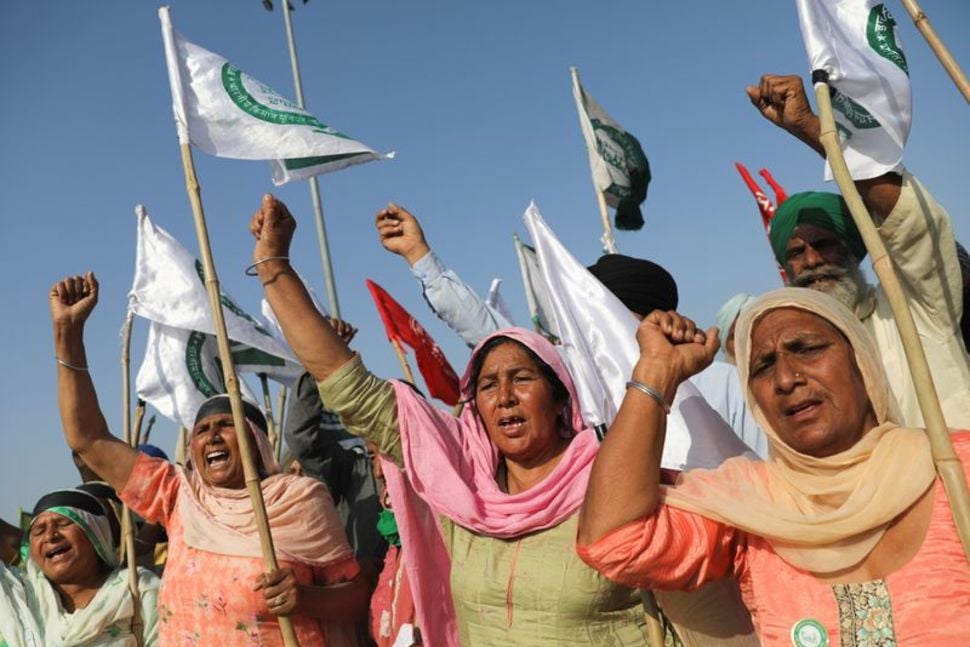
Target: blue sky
(475, 99)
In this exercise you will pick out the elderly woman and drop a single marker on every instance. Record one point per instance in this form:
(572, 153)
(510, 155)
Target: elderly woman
(72, 591)
(843, 536)
(507, 476)
(214, 591)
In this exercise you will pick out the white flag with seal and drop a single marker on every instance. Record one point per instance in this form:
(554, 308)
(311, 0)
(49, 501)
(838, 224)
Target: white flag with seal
(598, 336)
(856, 44)
(619, 166)
(227, 113)
(169, 288)
(181, 370)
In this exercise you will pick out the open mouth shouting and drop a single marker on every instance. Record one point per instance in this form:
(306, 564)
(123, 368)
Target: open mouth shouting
(58, 554)
(511, 425)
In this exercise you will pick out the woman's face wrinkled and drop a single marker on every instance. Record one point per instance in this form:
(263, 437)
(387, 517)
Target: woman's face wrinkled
(515, 401)
(805, 379)
(215, 452)
(61, 549)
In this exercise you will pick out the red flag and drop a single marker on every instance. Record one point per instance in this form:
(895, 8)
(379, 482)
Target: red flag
(765, 205)
(441, 379)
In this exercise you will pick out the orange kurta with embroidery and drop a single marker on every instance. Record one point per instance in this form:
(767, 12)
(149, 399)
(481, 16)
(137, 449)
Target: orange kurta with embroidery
(926, 603)
(207, 599)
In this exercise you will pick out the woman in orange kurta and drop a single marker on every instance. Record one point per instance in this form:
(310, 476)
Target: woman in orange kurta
(215, 590)
(843, 536)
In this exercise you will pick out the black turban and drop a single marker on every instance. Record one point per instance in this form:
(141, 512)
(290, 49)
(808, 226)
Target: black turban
(220, 404)
(641, 285)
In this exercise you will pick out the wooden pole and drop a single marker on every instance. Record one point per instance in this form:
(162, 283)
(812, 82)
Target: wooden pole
(281, 409)
(219, 323)
(180, 446)
(948, 465)
(949, 63)
(148, 429)
(271, 430)
(139, 419)
(402, 358)
(128, 527)
(608, 240)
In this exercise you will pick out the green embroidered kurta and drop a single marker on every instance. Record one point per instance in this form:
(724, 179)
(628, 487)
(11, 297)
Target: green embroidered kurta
(531, 590)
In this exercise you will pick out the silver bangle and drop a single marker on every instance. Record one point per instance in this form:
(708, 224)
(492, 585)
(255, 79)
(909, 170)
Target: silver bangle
(251, 270)
(71, 366)
(652, 392)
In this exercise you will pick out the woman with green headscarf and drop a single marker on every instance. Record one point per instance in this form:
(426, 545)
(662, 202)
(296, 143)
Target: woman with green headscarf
(72, 592)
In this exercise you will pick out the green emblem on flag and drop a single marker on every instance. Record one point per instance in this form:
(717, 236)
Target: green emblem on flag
(856, 114)
(195, 364)
(232, 82)
(881, 34)
(622, 151)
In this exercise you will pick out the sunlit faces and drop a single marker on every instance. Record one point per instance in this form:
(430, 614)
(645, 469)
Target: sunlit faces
(805, 379)
(215, 452)
(818, 259)
(61, 549)
(517, 405)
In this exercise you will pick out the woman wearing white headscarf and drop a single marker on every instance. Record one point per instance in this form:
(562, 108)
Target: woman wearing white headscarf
(843, 536)
(72, 592)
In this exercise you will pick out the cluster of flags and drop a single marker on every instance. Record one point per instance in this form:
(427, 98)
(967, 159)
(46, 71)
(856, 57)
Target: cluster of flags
(221, 110)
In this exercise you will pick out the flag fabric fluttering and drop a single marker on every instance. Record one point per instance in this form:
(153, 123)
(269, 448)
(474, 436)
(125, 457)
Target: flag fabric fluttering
(540, 308)
(225, 112)
(181, 370)
(856, 45)
(619, 166)
(400, 326)
(496, 301)
(169, 289)
(598, 337)
(765, 205)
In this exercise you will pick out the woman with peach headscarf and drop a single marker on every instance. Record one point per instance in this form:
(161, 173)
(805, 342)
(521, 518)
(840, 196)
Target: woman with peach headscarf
(843, 536)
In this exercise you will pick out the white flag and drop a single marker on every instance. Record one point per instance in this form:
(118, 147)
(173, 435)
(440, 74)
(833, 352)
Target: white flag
(181, 370)
(169, 288)
(495, 301)
(226, 113)
(619, 166)
(540, 308)
(598, 335)
(855, 42)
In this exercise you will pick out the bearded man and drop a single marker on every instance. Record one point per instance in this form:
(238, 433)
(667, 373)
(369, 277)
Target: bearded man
(815, 240)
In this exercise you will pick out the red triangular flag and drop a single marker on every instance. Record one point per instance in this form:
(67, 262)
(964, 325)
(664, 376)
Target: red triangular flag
(765, 205)
(441, 379)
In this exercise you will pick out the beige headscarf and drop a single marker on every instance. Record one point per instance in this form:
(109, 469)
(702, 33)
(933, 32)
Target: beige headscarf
(819, 514)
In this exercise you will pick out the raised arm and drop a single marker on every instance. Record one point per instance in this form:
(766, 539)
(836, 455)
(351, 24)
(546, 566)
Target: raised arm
(318, 347)
(85, 429)
(782, 101)
(451, 299)
(624, 483)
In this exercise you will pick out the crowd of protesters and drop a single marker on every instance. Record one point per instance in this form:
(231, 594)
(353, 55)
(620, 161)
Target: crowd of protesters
(508, 521)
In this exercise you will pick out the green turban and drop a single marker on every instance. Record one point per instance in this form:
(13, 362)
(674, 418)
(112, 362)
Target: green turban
(825, 210)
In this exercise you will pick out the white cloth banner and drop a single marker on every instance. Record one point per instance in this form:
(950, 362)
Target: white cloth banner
(226, 113)
(181, 371)
(598, 336)
(496, 301)
(169, 288)
(540, 308)
(857, 44)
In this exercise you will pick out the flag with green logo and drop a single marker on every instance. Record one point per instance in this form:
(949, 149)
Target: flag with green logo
(225, 112)
(620, 168)
(180, 369)
(856, 44)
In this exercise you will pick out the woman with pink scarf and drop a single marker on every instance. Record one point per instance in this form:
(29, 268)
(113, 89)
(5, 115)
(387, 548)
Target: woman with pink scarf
(489, 535)
(215, 590)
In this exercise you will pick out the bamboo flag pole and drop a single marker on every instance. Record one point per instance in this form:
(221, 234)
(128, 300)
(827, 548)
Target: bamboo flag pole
(139, 419)
(949, 63)
(609, 241)
(148, 428)
(281, 408)
(128, 527)
(219, 323)
(180, 442)
(948, 465)
(271, 430)
(402, 358)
